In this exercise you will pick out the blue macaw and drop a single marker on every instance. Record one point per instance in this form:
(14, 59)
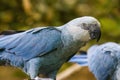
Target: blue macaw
(43, 50)
(103, 61)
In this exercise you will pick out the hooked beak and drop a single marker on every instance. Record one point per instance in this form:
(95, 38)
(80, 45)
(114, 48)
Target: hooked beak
(99, 35)
(96, 34)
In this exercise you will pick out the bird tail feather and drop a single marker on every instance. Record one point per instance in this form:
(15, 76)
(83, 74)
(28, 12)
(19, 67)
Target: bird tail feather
(80, 59)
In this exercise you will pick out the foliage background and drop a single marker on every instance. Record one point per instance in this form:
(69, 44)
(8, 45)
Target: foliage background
(26, 14)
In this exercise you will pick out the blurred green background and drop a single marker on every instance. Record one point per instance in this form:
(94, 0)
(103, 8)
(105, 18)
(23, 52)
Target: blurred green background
(26, 14)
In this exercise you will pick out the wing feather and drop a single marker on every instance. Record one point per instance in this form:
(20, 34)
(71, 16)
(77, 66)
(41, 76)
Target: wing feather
(32, 43)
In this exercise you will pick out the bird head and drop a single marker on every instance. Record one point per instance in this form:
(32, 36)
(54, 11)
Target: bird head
(103, 60)
(88, 26)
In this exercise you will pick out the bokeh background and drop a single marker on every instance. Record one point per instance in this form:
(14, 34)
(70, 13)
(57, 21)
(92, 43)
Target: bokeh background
(26, 14)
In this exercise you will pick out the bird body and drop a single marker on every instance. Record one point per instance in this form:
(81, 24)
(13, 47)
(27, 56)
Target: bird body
(102, 60)
(44, 50)
(59, 54)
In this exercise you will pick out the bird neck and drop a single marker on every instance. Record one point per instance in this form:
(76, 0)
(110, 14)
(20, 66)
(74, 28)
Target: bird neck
(74, 34)
(71, 46)
(69, 41)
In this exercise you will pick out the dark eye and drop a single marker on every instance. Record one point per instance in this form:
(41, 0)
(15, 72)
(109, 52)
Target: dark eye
(85, 26)
(107, 52)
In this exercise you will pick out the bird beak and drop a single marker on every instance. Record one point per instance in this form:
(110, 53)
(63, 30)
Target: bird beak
(98, 36)
(96, 33)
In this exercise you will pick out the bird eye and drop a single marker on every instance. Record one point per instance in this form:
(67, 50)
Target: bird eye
(85, 26)
(108, 52)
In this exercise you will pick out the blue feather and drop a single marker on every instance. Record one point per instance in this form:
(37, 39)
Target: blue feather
(30, 44)
(102, 60)
(81, 59)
